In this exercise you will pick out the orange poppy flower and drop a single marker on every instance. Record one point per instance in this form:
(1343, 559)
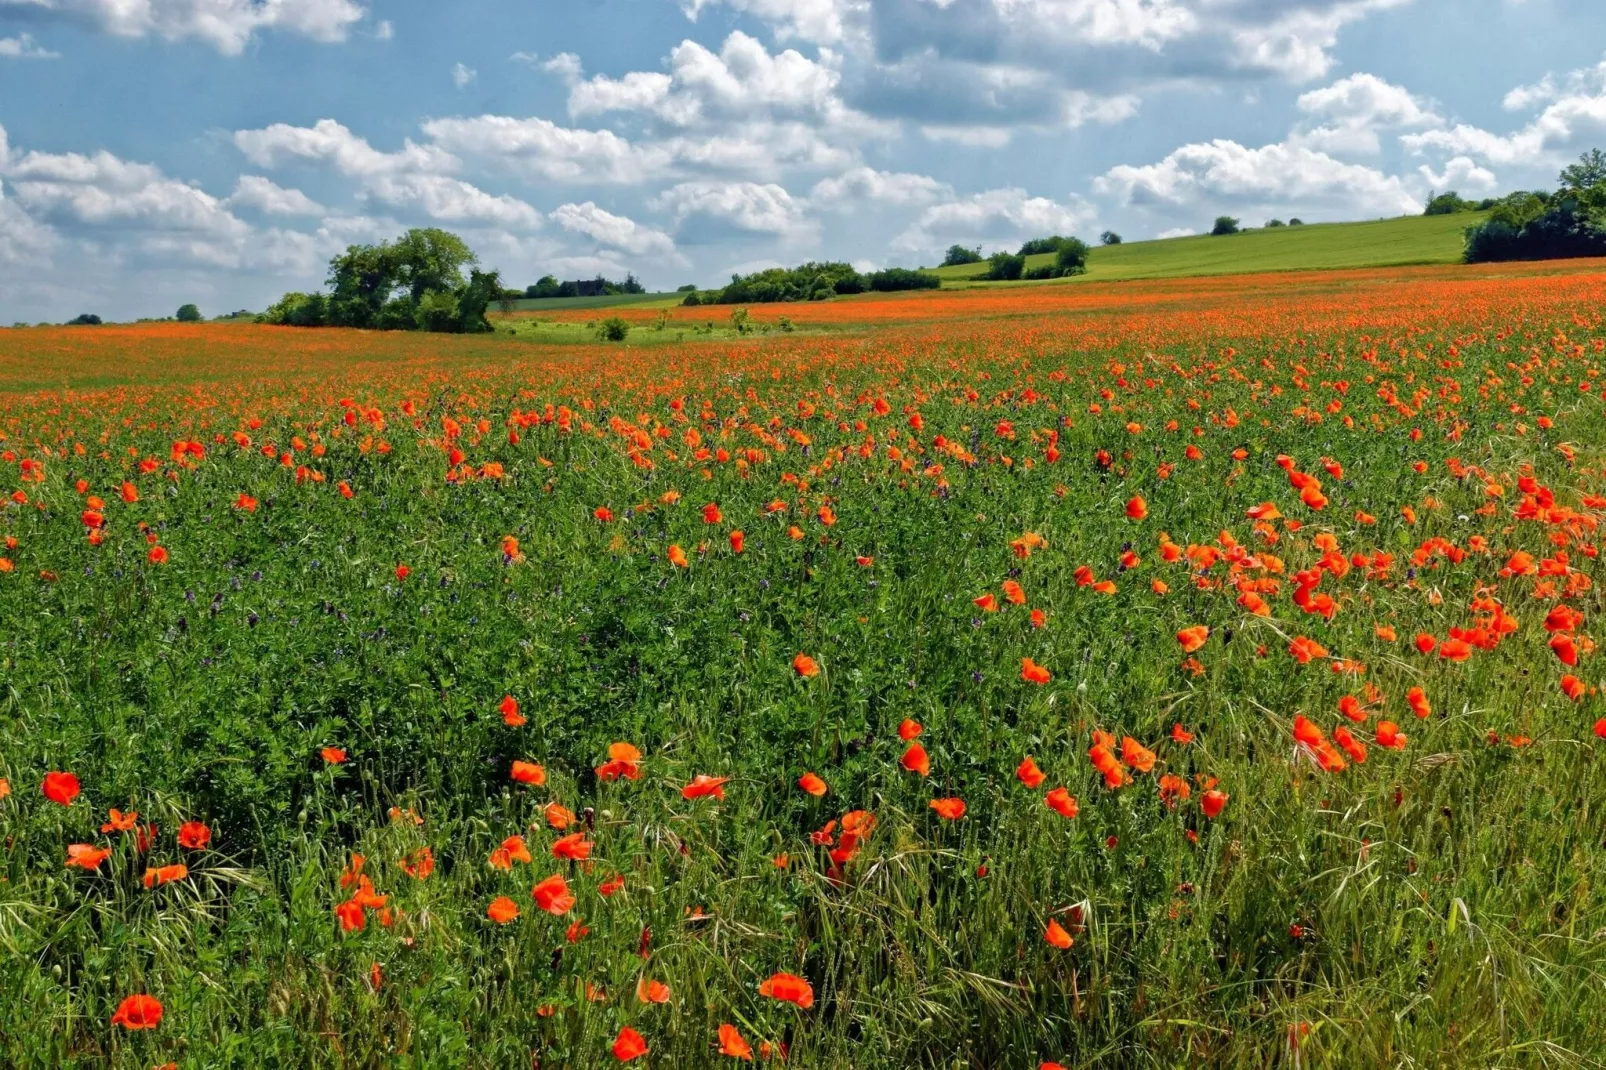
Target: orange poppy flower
(1417, 699)
(552, 895)
(1388, 735)
(738, 542)
(1033, 673)
(1014, 592)
(623, 761)
(788, 988)
(502, 910)
(1039, 618)
(528, 773)
(117, 821)
(1212, 803)
(711, 514)
(1136, 755)
(677, 556)
(949, 809)
(574, 847)
(86, 856)
(731, 1043)
(1062, 802)
(1193, 638)
(613, 884)
(703, 786)
(333, 755)
(909, 728)
(1136, 508)
(1056, 935)
(513, 849)
(138, 1012)
(805, 666)
(916, 760)
(1028, 773)
(987, 602)
(648, 991)
(166, 874)
(812, 784)
(557, 816)
(1181, 735)
(1572, 687)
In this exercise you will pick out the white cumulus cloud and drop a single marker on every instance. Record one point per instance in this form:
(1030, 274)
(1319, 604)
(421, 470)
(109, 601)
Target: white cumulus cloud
(227, 25)
(616, 230)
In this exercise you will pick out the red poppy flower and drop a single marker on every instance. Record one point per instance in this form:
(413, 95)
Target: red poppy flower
(60, 788)
(1212, 803)
(509, 707)
(812, 784)
(916, 760)
(552, 895)
(731, 1043)
(1033, 673)
(949, 809)
(1062, 802)
(194, 835)
(333, 755)
(703, 786)
(574, 847)
(1056, 935)
(629, 1045)
(805, 666)
(528, 773)
(909, 729)
(86, 856)
(1028, 773)
(788, 988)
(502, 910)
(138, 1012)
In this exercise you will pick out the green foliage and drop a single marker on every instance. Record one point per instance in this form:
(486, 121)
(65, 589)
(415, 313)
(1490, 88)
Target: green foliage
(614, 329)
(1448, 203)
(1296, 222)
(188, 314)
(413, 283)
(1533, 226)
(958, 255)
(806, 282)
(1004, 267)
(87, 319)
(1225, 224)
(1109, 237)
(1270, 223)
(1037, 246)
(690, 287)
(889, 279)
(1588, 173)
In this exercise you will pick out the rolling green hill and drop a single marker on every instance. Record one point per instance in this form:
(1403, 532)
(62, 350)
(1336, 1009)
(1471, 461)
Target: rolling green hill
(1316, 246)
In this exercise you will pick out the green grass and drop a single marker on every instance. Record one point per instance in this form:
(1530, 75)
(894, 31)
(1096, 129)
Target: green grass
(1313, 247)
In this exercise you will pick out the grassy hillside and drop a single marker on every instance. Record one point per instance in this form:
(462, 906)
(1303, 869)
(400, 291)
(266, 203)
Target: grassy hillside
(1381, 243)
(554, 304)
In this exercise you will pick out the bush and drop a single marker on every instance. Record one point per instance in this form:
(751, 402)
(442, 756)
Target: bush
(1296, 222)
(188, 314)
(689, 288)
(1225, 224)
(1004, 267)
(958, 256)
(613, 329)
(1274, 223)
(88, 319)
(1109, 237)
(902, 279)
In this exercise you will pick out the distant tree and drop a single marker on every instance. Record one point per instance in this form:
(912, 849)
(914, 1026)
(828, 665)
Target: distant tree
(1448, 203)
(690, 287)
(546, 287)
(958, 256)
(1587, 173)
(88, 319)
(188, 314)
(1225, 224)
(1296, 222)
(1275, 223)
(1038, 246)
(1109, 237)
(901, 279)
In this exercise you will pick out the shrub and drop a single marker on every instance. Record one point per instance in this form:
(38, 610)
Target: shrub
(902, 279)
(87, 319)
(1225, 224)
(689, 288)
(1038, 246)
(1296, 222)
(1109, 237)
(188, 314)
(1448, 203)
(1274, 223)
(613, 329)
(1003, 267)
(958, 255)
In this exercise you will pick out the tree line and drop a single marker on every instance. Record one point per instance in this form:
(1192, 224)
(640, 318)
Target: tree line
(1541, 225)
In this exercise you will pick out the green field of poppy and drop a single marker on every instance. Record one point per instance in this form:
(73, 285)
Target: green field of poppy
(1148, 674)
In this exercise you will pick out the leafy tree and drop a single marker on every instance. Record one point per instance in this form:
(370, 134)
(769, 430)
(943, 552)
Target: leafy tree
(188, 314)
(958, 256)
(1533, 225)
(1071, 258)
(1274, 223)
(1448, 203)
(546, 287)
(1587, 173)
(690, 287)
(87, 319)
(1041, 245)
(1109, 237)
(1225, 224)
(1296, 222)
(901, 279)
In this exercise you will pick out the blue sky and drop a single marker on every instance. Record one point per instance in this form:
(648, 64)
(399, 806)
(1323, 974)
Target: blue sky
(154, 152)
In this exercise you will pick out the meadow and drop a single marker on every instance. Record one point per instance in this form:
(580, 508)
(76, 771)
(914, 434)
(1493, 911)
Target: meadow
(1375, 243)
(1145, 674)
